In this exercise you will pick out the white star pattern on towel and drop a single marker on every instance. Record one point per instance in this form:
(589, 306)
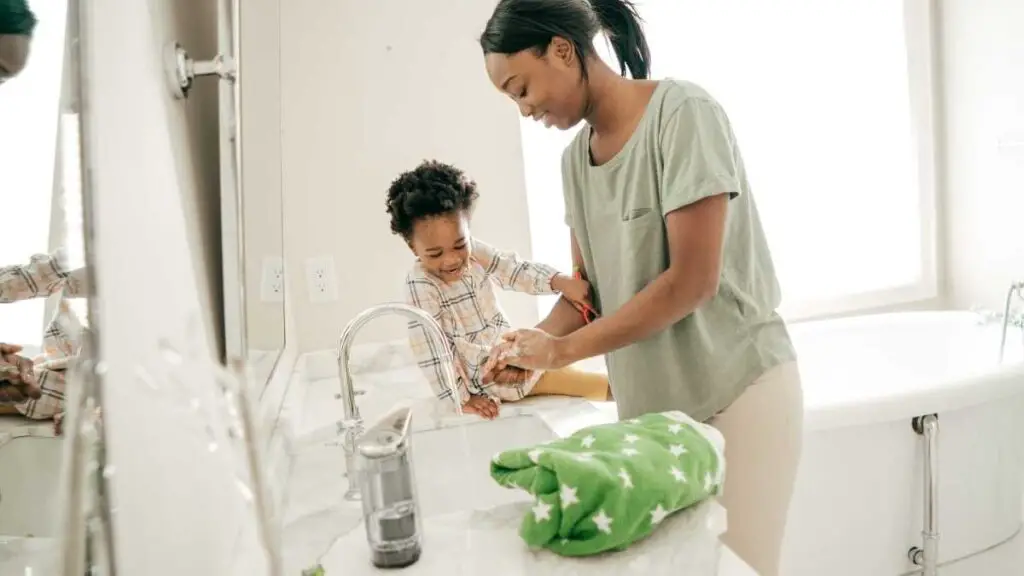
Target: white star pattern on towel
(542, 511)
(588, 441)
(534, 455)
(631, 438)
(627, 482)
(678, 474)
(658, 514)
(630, 451)
(568, 496)
(603, 522)
(675, 428)
(677, 450)
(497, 458)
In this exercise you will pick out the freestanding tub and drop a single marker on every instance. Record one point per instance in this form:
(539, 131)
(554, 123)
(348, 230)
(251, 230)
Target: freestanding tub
(858, 505)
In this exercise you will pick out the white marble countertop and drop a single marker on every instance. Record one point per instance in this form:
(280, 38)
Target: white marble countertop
(321, 527)
(14, 426)
(475, 542)
(28, 556)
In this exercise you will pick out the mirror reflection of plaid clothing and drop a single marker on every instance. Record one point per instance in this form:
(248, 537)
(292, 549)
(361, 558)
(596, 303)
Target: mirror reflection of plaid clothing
(44, 276)
(471, 317)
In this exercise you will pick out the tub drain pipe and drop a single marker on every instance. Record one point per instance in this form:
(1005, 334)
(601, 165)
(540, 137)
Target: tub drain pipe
(927, 556)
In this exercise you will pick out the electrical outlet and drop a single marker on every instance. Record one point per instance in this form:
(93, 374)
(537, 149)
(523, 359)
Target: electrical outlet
(321, 279)
(272, 280)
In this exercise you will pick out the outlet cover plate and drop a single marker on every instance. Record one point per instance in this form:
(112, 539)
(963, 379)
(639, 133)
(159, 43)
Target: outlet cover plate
(321, 279)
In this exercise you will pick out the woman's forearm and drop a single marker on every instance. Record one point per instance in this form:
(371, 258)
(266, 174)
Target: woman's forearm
(562, 320)
(665, 301)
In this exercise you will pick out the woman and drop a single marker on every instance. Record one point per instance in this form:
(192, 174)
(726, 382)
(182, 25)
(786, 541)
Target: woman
(666, 231)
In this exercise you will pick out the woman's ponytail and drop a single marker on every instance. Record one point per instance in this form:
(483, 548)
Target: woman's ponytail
(518, 25)
(623, 25)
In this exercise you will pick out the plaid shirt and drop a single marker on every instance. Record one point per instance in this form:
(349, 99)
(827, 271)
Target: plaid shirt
(43, 276)
(471, 317)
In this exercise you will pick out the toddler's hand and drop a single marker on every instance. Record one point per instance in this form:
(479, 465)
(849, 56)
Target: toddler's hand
(481, 406)
(17, 378)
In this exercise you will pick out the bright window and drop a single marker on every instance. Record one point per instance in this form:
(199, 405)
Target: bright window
(830, 103)
(29, 112)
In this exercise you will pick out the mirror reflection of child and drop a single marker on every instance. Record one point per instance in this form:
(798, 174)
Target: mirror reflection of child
(34, 387)
(454, 279)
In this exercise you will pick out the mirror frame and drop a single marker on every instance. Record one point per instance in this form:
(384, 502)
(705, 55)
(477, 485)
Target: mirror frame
(232, 210)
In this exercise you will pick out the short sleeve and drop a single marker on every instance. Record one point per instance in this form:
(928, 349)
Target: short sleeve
(698, 155)
(568, 182)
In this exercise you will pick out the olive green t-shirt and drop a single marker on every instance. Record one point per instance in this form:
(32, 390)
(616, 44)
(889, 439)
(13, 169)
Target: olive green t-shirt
(683, 150)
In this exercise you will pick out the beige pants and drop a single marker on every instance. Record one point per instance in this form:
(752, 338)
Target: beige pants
(571, 381)
(13, 54)
(763, 432)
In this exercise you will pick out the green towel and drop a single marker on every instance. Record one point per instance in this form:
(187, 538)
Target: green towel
(606, 487)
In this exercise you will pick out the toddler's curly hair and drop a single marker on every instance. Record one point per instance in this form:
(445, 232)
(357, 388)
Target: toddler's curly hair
(431, 189)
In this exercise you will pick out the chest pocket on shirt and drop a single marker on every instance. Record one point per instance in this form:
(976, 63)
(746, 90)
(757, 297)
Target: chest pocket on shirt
(631, 214)
(642, 240)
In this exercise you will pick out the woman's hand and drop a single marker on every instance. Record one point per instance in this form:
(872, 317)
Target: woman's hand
(575, 290)
(481, 406)
(528, 348)
(17, 376)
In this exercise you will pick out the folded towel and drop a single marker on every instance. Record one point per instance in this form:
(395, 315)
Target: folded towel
(606, 487)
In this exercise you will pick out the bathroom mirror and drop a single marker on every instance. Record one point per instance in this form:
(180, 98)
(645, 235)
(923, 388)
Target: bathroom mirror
(251, 218)
(46, 318)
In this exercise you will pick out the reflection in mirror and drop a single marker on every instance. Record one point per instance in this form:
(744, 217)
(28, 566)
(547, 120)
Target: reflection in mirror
(260, 245)
(44, 315)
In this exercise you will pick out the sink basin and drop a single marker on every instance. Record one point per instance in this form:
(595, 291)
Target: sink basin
(452, 465)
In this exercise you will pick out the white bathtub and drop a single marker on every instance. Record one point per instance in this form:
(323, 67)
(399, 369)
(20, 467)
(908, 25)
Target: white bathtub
(857, 509)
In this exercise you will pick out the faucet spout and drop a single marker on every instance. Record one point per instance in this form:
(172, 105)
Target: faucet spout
(438, 342)
(352, 424)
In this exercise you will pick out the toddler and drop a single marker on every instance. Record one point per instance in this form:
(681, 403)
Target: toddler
(454, 279)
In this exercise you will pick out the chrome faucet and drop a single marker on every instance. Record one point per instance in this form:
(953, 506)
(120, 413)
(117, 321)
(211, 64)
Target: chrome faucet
(1008, 318)
(351, 424)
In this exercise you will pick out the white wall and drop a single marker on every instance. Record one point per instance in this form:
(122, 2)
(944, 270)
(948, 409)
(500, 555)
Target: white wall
(369, 90)
(983, 59)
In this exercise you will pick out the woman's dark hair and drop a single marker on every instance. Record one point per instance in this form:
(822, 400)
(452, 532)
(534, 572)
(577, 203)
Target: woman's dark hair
(431, 189)
(518, 25)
